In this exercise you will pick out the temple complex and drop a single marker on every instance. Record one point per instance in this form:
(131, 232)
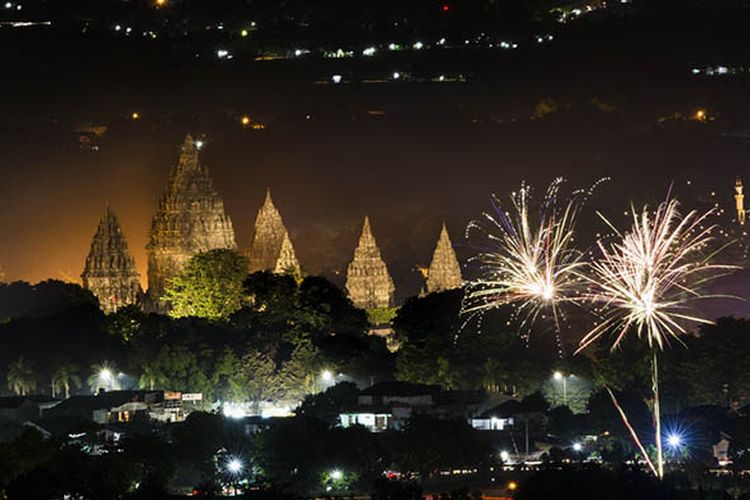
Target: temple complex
(272, 248)
(368, 282)
(444, 272)
(190, 219)
(110, 272)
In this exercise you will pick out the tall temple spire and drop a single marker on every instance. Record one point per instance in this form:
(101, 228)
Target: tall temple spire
(110, 271)
(368, 282)
(739, 198)
(272, 249)
(444, 272)
(190, 219)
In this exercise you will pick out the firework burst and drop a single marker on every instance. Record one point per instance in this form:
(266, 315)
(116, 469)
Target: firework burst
(646, 281)
(527, 257)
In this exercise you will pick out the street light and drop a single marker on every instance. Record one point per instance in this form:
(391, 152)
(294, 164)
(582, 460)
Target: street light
(577, 447)
(559, 377)
(337, 475)
(327, 376)
(674, 440)
(234, 465)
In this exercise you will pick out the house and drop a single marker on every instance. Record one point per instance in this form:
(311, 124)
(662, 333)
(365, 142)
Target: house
(23, 408)
(121, 407)
(509, 414)
(390, 405)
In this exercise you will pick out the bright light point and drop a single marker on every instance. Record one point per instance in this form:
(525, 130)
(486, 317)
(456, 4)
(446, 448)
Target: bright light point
(298, 52)
(336, 78)
(245, 121)
(199, 144)
(557, 375)
(105, 374)
(161, 3)
(117, 26)
(234, 466)
(504, 456)
(512, 486)
(222, 54)
(369, 51)
(674, 440)
(244, 33)
(396, 75)
(337, 475)
(446, 8)
(327, 375)
(135, 115)
(577, 446)
(418, 45)
(8, 5)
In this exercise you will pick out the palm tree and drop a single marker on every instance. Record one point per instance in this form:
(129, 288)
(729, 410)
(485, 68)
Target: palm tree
(65, 375)
(148, 378)
(104, 375)
(21, 378)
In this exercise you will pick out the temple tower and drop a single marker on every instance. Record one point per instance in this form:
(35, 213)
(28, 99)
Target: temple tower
(190, 219)
(272, 249)
(739, 198)
(110, 272)
(444, 272)
(368, 282)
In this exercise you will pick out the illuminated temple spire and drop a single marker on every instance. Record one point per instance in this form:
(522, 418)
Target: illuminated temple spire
(445, 272)
(272, 248)
(190, 219)
(110, 272)
(368, 282)
(739, 198)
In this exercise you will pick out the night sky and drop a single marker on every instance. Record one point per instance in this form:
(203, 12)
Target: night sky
(409, 154)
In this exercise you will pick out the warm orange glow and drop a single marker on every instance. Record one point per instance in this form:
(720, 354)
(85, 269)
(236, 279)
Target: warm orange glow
(135, 115)
(700, 115)
(161, 3)
(512, 486)
(245, 120)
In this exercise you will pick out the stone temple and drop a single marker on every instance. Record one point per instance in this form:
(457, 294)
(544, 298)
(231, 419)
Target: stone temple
(444, 272)
(368, 282)
(110, 272)
(190, 219)
(272, 248)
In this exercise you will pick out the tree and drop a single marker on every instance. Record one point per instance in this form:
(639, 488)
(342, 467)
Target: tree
(259, 368)
(21, 377)
(65, 375)
(209, 287)
(228, 378)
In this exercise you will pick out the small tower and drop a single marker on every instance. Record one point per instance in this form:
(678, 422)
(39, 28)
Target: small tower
(444, 272)
(110, 272)
(272, 249)
(368, 282)
(739, 198)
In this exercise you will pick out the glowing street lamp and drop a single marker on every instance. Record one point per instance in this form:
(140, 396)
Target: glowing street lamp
(327, 376)
(577, 447)
(559, 377)
(337, 475)
(674, 440)
(234, 465)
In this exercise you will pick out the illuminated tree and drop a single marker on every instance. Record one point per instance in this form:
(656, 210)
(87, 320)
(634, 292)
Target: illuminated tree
(65, 375)
(209, 287)
(21, 377)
